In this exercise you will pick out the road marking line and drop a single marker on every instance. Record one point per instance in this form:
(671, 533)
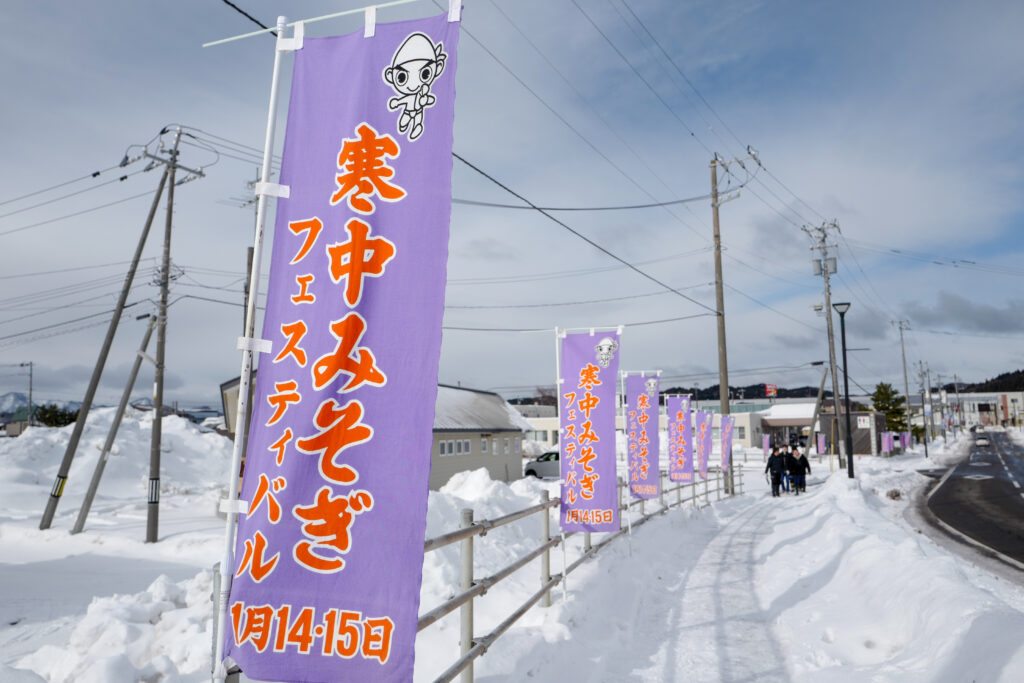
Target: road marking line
(1017, 485)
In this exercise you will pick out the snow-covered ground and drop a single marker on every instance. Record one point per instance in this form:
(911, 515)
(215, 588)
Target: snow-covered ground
(833, 586)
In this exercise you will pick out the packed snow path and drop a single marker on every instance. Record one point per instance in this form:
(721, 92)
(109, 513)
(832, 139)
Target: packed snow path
(829, 585)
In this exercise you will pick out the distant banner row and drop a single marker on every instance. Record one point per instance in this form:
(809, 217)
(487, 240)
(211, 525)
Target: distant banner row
(588, 373)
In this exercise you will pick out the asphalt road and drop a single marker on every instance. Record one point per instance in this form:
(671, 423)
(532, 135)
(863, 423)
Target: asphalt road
(982, 498)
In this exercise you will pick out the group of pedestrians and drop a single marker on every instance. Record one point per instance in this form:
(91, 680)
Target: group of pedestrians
(788, 470)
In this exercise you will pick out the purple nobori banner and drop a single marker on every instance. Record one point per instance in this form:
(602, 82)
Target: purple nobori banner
(704, 423)
(642, 438)
(590, 487)
(680, 438)
(329, 556)
(728, 422)
(766, 443)
(904, 440)
(821, 444)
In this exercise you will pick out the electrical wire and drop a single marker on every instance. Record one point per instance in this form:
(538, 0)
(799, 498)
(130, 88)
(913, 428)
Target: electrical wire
(549, 330)
(472, 202)
(94, 174)
(574, 303)
(76, 213)
(72, 194)
(581, 235)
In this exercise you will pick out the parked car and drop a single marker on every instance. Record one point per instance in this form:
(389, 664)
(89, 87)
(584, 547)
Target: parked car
(981, 441)
(545, 465)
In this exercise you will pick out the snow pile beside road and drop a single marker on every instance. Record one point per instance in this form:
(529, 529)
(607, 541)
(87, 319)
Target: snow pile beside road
(159, 634)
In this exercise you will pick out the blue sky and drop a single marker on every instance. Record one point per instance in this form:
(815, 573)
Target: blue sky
(899, 120)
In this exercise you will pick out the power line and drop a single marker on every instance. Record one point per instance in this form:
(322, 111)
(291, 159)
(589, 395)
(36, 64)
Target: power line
(549, 329)
(94, 174)
(574, 303)
(77, 213)
(248, 16)
(72, 194)
(472, 202)
(580, 235)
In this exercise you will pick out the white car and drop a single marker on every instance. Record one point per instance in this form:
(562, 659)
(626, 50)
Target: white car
(545, 465)
(982, 441)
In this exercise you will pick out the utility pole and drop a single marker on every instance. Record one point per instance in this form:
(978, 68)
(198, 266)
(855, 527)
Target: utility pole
(29, 364)
(924, 422)
(928, 386)
(828, 267)
(959, 405)
(153, 506)
(942, 408)
(903, 325)
(108, 446)
(90, 392)
(723, 363)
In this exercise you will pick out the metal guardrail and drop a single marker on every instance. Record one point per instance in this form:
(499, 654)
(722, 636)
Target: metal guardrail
(472, 648)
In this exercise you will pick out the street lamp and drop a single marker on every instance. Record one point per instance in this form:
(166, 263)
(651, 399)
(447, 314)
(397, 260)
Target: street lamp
(842, 308)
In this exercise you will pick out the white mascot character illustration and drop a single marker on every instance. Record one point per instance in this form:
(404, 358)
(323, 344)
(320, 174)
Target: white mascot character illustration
(652, 386)
(417, 63)
(606, 351)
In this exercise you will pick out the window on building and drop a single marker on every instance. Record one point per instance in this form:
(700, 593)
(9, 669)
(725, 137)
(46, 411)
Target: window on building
(554, 437)
(451, 447)
(483, 445)
(741, 432)
(494, 446)
(466, 448)
(506, 445)
(458, 447)
(440, 447)
(518, 446)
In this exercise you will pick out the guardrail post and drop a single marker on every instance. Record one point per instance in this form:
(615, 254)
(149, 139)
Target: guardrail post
(707, 499)
(679, 494)
(621, 487)
(465, 583)
(586, 542)
(741, 483)
(661, 489)
(545, 559)
(722, 480)
(693, 491)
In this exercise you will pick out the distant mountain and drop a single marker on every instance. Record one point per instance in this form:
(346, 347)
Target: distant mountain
(13, 400)
(1008, 381)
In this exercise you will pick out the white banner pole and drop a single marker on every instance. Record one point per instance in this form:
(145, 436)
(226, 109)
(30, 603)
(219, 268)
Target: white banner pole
(227, 562)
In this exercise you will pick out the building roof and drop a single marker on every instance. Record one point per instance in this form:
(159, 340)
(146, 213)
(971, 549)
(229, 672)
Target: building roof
(459, 409)
(789, 415)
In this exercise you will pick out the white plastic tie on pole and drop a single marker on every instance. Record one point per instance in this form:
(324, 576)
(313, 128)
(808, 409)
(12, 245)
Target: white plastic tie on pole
(620, 329)
(591, 331)
(295, 42)
(370, 21)
(254, 345)
(454, 10)
(234, 507)
(273, 190)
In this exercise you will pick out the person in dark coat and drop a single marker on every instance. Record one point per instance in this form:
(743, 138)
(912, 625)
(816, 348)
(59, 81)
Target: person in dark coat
(776, 466)
(784, 454)
(800, 469)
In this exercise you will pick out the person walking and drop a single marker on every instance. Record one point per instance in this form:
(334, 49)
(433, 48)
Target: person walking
(776, 466)
(785, 468)
(800, 469)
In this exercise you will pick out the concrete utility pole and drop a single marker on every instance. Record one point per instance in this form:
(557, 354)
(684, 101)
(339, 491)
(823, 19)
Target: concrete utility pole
(820, 235)
(904, 325)
(29, 364)
(942, 408)
(153, 507)
(108, 446)
(90, 392)
(723, 363)
(924, 421)
(959, 405)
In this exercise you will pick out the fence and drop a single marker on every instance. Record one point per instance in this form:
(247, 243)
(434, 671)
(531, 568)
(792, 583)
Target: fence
(472, 647)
